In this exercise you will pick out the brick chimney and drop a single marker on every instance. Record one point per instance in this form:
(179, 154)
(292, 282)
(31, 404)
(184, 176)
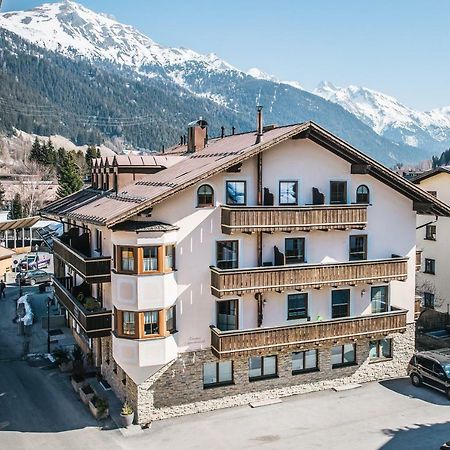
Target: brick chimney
(197, 135)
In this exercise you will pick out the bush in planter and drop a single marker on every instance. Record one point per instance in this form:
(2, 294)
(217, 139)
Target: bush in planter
(61, 355)
(86, 393)
(99, 407)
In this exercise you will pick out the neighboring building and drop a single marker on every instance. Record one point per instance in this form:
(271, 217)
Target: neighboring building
(433, 243)
(280, 260)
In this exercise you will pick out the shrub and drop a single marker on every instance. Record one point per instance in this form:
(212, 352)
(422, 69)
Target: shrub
(127, 410)
(100, 403)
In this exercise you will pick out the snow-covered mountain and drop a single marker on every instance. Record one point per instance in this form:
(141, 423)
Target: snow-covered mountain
(390, 118)
(112, 70)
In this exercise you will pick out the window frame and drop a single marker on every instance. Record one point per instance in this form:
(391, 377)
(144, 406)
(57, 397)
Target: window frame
(157, 257)
(235, 262)
(430, 236)
(171, 327)
(348, 304)
(295, 183)
(206, 204)
(263, 376)
(129, 249)
(226, 192)
(302, 259)
(122, 323)
(429, 266)
(236, 317)
(144, 313)
(305, 369)
(353, 255)
(377, 344)
(386, 298)
(218, 383)
(367, 194)
(335, 183)
(306, 308)
(342, 363)
(429, 299)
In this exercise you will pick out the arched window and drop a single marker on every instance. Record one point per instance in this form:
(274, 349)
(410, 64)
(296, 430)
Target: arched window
(362, 194)
(205, 195)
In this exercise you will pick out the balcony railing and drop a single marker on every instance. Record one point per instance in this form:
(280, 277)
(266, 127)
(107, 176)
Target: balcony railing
(92, 269)
(248, 219)
(302, 276)
(95, 324)
(418, 260)
(265, 340)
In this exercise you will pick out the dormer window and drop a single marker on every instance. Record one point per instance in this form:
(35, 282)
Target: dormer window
(205, 196)
(362, 194)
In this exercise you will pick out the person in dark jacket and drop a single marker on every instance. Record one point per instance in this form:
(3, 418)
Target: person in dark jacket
(2, 289)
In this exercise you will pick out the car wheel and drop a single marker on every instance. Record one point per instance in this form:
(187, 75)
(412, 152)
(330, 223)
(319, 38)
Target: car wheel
(416, 380)
(32, 282)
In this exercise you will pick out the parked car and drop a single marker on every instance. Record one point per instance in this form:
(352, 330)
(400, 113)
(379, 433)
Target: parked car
(33, 277)
(34, 261)
(431, 368)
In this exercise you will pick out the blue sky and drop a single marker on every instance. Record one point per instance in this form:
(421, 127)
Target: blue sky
(399, 47)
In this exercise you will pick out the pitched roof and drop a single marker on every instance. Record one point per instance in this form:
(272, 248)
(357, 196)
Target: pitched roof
(430, 173)
(220, 154)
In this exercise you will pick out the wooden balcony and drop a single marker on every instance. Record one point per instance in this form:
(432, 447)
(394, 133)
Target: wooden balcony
(92, 269)
(94, 324)
(306, 276)
(248, 219)
(226, 344)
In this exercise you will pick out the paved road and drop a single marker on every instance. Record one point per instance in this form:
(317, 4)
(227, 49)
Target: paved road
(39, 410)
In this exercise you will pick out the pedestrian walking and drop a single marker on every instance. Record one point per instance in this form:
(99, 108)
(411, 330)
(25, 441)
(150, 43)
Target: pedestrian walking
(2, 289)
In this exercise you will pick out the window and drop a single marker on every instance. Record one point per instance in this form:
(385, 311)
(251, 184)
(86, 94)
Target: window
(297, 306)
(151, 322)
(236, 193)
(358, 247)
(205, 196)
(227, 315)
(288, 192)
(379, 299)
(428, 300)
(128, 323)
(169, 257)
(171, 319)
(380, 349)
(150, 259)
(340, 303)
(262, 367)
(304, 361)
(295, 250)
(127, 259)
(338, 192)
(227, 254)
(430, 266)
(430, 232)
(343, 355)
(217, 373)
(362, 194)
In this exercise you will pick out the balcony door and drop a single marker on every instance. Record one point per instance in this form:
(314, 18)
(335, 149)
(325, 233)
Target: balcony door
(227, 315)
(340, 303)
(379, 297)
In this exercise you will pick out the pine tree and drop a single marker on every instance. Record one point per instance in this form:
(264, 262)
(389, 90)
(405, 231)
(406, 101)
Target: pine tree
(69, 176)
(16, 211)
(2, 197)
(36, 151)
(49, 156)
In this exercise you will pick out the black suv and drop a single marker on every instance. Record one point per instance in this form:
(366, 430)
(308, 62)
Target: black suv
(431, 368)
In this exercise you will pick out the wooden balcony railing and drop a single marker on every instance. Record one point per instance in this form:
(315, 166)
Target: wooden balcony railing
(249, 219)
(94, 324)
(302, 276)
(418, 259)
(92, 269)
(264, 340)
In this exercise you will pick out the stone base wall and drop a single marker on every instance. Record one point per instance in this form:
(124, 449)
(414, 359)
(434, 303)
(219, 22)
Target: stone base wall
(177, 389)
